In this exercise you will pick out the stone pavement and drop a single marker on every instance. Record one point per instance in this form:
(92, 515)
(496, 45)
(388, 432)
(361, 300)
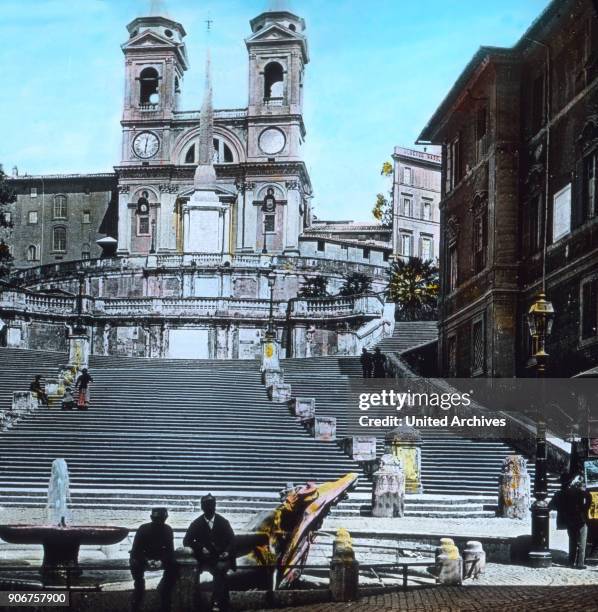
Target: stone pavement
(470, 599)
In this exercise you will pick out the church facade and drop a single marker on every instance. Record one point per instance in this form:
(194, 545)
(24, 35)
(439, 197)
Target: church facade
(203, 229)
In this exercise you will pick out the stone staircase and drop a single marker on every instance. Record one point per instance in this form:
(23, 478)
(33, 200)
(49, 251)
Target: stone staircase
(408, 335)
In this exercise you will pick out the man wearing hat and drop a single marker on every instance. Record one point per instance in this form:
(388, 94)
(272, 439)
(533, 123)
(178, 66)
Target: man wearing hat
(153, 542)
(212, 539)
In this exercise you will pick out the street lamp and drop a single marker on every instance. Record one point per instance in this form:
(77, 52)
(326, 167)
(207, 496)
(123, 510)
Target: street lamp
(540, 319)
(271, 283)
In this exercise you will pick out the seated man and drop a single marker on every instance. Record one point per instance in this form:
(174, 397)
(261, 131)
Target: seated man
(38, 388)
(212, 539)
(153, 542)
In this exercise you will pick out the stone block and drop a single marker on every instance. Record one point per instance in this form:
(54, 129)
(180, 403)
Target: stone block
(388, 491)
(279, 394)
(514, 488)
(324, 428)
(449, 568)
(474, 559)
(344, 569)
(270, 357)
(186, 592)
(405, 444)
(23, 402)
(272, 377)
(361, 448)
(304, 408)
(79, 350)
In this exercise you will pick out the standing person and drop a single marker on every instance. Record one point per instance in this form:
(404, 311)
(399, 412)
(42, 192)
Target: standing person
(558, 502)
(37, 387)
(212, 539)
(68, 401)
(366, 363)
(153, 542)
(379, 361)
(82, 386)
(576, 502)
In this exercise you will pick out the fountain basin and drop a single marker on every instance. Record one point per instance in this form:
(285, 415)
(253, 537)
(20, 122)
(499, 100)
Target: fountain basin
(61, 544)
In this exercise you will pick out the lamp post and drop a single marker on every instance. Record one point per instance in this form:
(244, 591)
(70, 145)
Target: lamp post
(79, 329)
(271, 282)
(540, 318)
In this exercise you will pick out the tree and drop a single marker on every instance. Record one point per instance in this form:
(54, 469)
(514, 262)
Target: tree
(7, 197)
(356, 283)
(382, 210)
(314, 287)
(413, 287)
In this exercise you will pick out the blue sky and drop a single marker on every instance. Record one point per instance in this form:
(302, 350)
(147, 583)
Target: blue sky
(378, 71)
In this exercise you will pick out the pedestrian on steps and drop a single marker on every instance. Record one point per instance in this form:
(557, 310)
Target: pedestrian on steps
(68, 401)
(366, 363)
(82, 387)
(379, 361)
(38, 388)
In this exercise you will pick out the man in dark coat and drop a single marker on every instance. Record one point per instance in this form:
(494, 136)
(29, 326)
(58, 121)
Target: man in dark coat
(153, 542)
(212, 539)
(576, 504)
(82, 385)
(558, 502)
(37, 387)
(366, 363)
(379, 360)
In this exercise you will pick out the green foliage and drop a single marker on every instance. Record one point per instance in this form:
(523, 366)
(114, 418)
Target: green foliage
(386, 169)
(7, 197)
(382, 210)
(314, 287)
(414, 287)
(356, 283)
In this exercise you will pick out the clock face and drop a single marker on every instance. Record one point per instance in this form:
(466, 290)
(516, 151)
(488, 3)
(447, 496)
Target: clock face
(146, 145)
(272, 141)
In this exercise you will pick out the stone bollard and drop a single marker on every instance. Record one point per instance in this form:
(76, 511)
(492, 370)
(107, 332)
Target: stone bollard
(79, 350)
(270, 357)
(279, 394)
(474, 559)
(361, 448)
(186, 594)
(449, 564)
(388, 492)
(344, 568)
(405, 444)
(272, 377)
(304, 408)
(23, 402)
(324, 428)
(514, 488)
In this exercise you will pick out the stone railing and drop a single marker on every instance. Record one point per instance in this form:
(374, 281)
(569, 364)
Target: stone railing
(36, 303)
(227, 113)
(364, 305)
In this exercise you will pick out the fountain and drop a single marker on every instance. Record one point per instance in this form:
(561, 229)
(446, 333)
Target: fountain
(60, 541)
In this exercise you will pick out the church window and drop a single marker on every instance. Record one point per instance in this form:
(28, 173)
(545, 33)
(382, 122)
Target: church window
(32, 253)
(32, 217)
(86, 216)
(177, 85)
(321, 245)
(143, 225)
(292, 27)
(59, 239)
(273, 81)
(366, 253)
(85, 251)
(33, 192)
(59, 211)
(190, 156)
(149, 80)
(168, 33)
(269, 223)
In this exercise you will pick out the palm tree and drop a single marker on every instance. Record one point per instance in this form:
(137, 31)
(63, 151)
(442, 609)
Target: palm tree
(314, 287)
(413, 287)
(356, 283)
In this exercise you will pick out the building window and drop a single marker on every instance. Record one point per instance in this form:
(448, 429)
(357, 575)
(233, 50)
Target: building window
(366, 253)
(32, 253)
(59, 239)
(270, 223)
(589, 309)
(453, 271)
(480, 240)
(143, 225)
(407, 207)
(427, 211)
(321, 246)
(481, 131)
(452, 356)
(85, 251)
(148, 87)
(273, 81)
(426, 251)
(406, 245)
(453, 164)
(561, 213)
(538, 103)
(86, 216)
(536, 227)
(407, 176)
(33, 192)
(590, 185)
(32, 217)
(478, 348)
(59, 209)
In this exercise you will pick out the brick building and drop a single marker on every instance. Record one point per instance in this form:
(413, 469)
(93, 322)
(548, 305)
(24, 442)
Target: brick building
(519, 132)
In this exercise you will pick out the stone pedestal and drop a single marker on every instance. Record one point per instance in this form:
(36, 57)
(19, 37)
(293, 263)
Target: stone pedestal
(23, 402)
(270, 356)
(388, 491)
(514, 488)
(272, 377)
(324, 428)
(474, 559)
(304, 408)
(79, 350)
(280, 394)
(449, 564)
(404, 443)
(186, 593)
(344, 569)
(361, 448)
